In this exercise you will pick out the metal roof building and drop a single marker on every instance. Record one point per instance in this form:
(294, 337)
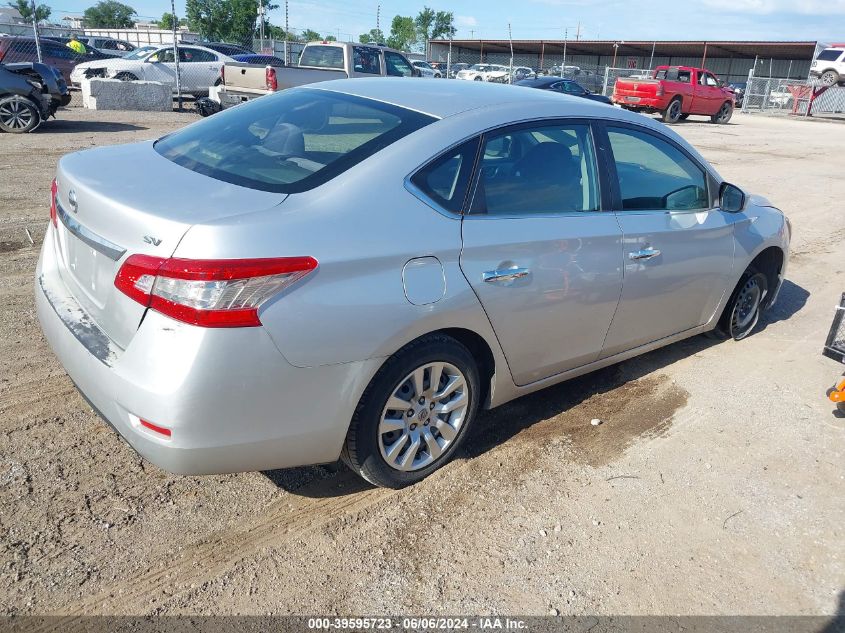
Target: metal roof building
(731, 60)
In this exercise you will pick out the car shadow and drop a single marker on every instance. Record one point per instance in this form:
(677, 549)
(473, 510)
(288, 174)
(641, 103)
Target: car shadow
(499, 425)
(63, 126)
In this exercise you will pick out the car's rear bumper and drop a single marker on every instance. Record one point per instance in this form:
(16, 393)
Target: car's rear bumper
(230, 399)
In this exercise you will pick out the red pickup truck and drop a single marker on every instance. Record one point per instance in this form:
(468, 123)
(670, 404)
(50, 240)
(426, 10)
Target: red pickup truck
(676, 92)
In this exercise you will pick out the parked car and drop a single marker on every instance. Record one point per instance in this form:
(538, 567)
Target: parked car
(199, 67)
(215, 322)
(30, 93)
(829, 66)
(254, 58)
(780, 96)
(108, 45)
(522, 72)
(456, 68)
(676, 92)
(15, 49)
(591, 80)
(229, 50)
(319, 61)
(738, 88)
(564, 86)
(425, 69)
(485, 72)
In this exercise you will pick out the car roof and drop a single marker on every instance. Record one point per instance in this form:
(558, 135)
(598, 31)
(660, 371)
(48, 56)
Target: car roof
(443, 100)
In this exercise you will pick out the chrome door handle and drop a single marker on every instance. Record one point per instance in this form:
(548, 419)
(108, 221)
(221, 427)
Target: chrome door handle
(505, 274)
(646, 253)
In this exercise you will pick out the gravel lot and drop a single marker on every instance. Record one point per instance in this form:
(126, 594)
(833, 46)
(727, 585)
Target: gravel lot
(714, 486)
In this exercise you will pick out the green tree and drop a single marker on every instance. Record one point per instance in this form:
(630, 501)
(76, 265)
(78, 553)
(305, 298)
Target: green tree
(403, 33)
(24, 7)
(375, 36)
(444, 25)
(310, 35)
(330, 38)
(109, 14)
(423, 22)
(274, 32)
(166, 21)
(233, 21)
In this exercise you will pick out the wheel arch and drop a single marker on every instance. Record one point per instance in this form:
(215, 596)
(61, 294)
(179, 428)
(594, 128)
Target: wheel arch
(769, 261)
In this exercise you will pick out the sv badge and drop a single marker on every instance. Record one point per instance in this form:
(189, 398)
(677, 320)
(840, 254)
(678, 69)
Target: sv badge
(152, 240)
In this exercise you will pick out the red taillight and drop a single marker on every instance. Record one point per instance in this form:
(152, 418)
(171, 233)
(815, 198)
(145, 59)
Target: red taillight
(211, 292)
(154, 427)
(270, 77)
(659, 90)
(54, 216)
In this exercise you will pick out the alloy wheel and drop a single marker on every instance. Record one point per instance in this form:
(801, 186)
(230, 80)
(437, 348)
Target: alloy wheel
(16, 115)
(423, 416)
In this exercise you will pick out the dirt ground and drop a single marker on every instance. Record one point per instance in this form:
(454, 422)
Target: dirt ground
(715, 484)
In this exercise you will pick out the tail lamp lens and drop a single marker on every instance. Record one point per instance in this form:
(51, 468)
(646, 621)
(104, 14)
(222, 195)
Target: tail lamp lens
(54, 216)
(270, 77)
(209, 293)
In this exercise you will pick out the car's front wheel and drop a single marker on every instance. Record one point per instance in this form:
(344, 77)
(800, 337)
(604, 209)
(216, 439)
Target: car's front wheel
(18, 115)
(724, 114)
(415, 413)
(830, 78)
(743, 309)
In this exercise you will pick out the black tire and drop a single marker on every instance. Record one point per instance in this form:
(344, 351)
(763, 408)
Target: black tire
(672, 112)
(126, 77)
(218, 82)
(830, 78)
(361, 451)
(478, 79)
(18, 115)
(724, 114)
(742, 311)
(683, 117)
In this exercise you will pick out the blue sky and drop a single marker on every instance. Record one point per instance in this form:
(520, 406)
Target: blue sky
(547, 19)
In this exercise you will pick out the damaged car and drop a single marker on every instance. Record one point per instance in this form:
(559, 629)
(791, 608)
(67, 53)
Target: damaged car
(30, 93)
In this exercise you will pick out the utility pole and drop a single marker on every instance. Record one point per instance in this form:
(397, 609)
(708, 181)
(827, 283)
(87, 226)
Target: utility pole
(578, 32)
(651, 61)
(261, 24)
(287, 36)
(563, 65)
(378, 20)
(176, 57)
(35, 30)
(615, 50)
(510, 70)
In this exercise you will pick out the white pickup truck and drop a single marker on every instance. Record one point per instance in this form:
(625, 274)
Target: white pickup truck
(319, 61)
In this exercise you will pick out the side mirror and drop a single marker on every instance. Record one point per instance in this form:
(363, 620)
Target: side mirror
(731, 198)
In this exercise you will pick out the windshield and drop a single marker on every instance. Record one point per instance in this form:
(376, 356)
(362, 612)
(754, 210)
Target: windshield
(140, 53)
(290, 141)
(481, 67)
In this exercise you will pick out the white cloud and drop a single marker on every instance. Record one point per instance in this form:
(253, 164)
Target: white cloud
(465, 21)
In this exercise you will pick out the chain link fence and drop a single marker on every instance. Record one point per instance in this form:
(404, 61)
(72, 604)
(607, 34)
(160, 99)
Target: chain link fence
(773, 95)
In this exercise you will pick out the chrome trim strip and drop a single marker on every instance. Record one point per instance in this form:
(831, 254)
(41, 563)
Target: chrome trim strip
(100, 244)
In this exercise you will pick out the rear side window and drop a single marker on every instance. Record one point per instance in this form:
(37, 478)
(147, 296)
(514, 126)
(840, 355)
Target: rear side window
(655, 175)
(291, 141)
(322, 57)
(829, 55)
(366, 60)
(445, 180)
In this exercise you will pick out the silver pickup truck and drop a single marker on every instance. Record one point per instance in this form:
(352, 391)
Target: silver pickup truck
(319, 61)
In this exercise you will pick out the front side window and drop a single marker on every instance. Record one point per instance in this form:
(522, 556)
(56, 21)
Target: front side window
(322, 57)
(165, 55)
(655, 175)
(396, 65)
(547, 169)
(290, 141)
(446, 179)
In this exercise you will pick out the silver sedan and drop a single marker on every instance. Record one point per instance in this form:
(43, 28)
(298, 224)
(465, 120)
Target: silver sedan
(355, 269)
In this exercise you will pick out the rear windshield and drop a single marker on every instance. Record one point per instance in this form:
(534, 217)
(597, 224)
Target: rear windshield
(322, 56)
(291, 141)
(829, 55)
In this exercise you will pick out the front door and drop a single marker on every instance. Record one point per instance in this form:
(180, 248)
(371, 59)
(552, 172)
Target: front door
(161, 66)
(677, 246)
(540, 254)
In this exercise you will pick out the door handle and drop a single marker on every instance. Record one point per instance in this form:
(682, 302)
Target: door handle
(505, 274)
(646, 253)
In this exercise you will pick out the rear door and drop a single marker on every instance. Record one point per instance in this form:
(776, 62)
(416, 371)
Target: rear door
(678, 245)
(199, 68)
(541, 255)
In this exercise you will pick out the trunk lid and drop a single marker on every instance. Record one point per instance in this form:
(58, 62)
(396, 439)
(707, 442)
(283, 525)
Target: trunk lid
(118, 201)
